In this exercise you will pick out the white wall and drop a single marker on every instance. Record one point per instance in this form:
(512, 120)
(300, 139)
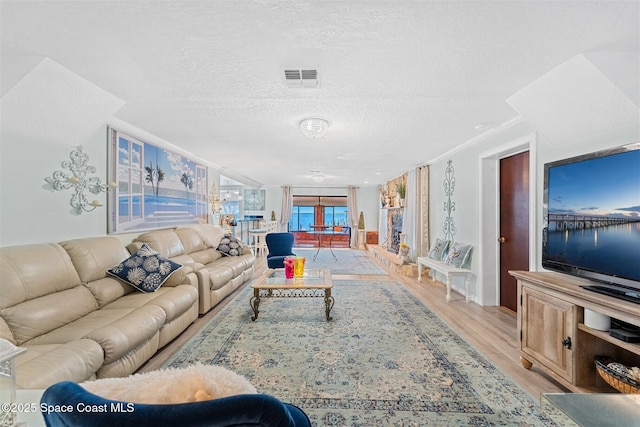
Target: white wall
(467, 192)
(577, 108)
(44, 117)
(48, 114)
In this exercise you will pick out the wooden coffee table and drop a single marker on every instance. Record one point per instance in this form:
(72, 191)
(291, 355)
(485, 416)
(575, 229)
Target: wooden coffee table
(314, 284)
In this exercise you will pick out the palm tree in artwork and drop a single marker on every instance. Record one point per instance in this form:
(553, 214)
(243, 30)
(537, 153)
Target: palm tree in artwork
(187, 182)
(154, 176)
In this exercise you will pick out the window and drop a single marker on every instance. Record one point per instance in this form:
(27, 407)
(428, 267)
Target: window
(302, 217)
(335, 215)
(318, 210)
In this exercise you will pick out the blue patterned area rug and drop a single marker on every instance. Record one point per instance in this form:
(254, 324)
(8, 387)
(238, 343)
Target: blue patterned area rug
(385, 360)
(347, 261)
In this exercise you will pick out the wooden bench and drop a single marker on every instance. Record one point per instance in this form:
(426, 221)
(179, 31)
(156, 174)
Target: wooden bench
(448, 270)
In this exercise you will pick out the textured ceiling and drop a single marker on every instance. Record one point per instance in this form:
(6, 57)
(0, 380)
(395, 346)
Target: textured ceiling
(402, 82)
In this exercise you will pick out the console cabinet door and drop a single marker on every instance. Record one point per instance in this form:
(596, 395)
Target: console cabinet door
(547, 331)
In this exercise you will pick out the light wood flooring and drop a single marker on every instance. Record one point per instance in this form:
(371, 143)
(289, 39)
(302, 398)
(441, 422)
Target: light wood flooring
(490, 330)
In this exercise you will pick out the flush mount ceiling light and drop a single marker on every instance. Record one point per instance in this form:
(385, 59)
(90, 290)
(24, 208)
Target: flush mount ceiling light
(317, 176)
(314, 127)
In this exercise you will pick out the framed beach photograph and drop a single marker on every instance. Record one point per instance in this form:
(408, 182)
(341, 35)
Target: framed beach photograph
(155, 187)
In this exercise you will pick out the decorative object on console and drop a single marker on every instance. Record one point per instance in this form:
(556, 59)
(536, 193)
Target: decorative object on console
(449, 227)
(78, 181)
(146, 270)
(314, 127)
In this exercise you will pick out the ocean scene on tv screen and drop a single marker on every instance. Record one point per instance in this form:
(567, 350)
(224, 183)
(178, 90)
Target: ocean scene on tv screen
(594, 214)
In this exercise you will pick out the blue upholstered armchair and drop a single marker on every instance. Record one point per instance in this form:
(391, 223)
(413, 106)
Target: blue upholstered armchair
(70, 405)
(280, 246)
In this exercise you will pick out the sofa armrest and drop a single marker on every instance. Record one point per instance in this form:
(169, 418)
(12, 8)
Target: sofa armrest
(204, 292)
(186, 275)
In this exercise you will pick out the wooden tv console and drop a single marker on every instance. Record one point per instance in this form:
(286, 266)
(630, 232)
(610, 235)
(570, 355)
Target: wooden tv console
(553, 336)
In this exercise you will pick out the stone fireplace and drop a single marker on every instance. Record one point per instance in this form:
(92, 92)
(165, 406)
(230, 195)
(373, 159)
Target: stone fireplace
(394, 228)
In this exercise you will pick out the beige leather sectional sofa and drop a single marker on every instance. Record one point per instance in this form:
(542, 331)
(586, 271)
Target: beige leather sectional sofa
(79, 323)
(218, 274)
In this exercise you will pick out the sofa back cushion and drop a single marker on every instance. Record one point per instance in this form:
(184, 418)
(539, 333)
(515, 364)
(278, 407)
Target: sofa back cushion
(165, 242)
(210, 234)
(41, 290)
(31, 271)
(93, 256)
(201, 241)
(191, 240)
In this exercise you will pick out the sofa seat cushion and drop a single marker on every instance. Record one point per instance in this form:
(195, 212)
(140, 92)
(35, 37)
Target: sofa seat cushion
(173, 301)
(43, 365)
(92, 256)
(109, 289)
(118, 331)
(238, 264)
(219, 275)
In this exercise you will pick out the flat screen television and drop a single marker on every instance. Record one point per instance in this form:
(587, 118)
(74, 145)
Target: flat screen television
(592, 216)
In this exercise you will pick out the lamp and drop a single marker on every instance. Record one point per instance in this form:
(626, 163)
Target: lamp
(314, 127)
(317, 177)
(78, 181)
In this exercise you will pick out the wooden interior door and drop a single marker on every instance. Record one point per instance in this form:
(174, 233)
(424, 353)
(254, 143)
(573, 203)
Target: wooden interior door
(514, 224)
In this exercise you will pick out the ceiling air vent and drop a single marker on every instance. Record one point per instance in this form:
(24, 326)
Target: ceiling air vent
(301, 78)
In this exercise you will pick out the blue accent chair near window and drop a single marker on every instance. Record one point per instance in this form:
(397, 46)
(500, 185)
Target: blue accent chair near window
(73, 406)
(280, 246)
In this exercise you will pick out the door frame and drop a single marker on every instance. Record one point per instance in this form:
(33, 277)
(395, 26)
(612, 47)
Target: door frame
(489, 215)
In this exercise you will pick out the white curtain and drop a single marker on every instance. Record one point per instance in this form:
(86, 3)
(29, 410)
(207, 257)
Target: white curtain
(410, 214)
(352, 211)
(286, 208)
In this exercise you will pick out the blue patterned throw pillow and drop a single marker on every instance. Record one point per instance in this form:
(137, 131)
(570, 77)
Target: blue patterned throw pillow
(146, 270)
(230, 246)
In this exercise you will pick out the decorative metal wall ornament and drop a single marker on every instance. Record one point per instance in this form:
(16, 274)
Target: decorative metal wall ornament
(79, 181)
(449, 227)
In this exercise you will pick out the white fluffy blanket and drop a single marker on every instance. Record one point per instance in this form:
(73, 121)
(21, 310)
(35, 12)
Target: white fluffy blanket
(192, 384)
